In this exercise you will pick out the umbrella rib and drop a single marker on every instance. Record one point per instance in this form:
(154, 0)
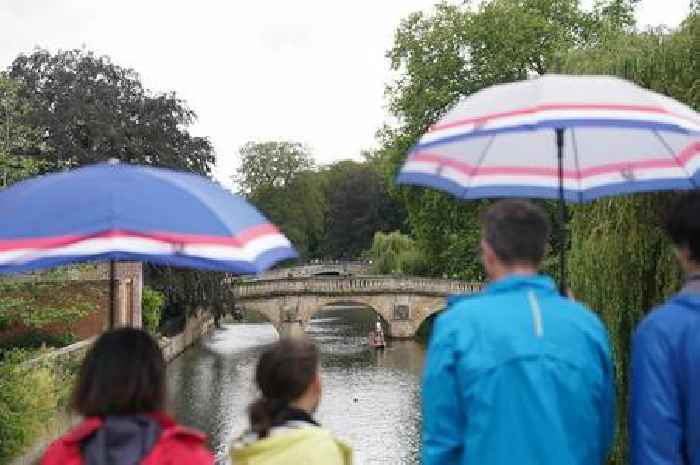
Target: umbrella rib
(477, 165)
(673, 155)
(576, 161)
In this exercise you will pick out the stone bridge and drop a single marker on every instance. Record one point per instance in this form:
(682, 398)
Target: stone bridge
(403, 302)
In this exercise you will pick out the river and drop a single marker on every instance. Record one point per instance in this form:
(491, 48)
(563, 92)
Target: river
(371, 399)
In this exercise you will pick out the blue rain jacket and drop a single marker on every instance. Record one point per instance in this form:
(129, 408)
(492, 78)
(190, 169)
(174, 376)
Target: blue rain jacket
(665, 391)
(517, 374)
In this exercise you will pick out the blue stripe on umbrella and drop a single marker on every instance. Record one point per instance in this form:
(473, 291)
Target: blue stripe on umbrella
(575, 196)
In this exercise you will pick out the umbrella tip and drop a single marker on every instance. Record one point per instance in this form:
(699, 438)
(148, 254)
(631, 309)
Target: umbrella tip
(113, 161)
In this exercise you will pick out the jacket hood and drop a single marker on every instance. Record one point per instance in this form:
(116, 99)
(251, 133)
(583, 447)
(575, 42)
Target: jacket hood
(248, 449)
(121, 440)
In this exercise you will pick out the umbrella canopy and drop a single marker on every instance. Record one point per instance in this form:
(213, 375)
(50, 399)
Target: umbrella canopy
(616, 138)
(116, 211)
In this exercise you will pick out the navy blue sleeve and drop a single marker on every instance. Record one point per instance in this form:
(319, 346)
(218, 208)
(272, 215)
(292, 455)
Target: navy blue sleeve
(655, 418)
(443, 418)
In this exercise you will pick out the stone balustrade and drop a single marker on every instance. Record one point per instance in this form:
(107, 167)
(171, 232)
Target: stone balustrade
(352, 285)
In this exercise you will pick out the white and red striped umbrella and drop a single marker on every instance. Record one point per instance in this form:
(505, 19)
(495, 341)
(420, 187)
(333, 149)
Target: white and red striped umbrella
(618, 138)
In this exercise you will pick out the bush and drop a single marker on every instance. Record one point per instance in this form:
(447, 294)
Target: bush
(152, 303)
(36, 339)
(28, 402)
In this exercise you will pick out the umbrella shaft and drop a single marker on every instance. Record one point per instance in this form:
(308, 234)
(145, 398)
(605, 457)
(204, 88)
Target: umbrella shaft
(562, 212)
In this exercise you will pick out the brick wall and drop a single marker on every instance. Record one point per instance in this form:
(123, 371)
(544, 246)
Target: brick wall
(89, 283)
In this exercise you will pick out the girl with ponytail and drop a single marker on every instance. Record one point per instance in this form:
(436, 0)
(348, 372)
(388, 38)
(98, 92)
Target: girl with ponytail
(282, 428)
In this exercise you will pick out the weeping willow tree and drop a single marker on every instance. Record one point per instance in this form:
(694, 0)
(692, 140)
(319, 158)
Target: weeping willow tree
(620, 262)
(395, 253)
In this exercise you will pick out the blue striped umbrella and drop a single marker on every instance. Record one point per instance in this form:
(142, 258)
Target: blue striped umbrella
(115, 211)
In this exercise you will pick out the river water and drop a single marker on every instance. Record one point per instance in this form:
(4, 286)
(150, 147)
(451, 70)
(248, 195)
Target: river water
(370, 398)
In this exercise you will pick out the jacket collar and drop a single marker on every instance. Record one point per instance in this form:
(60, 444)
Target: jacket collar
(91, 424)
(516, 282)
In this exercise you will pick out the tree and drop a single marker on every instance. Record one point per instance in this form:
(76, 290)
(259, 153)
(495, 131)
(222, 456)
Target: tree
(15, 135)
(395, 253)
(620, 13)
(622, 236)
(457, 51)
(267, 165)
(358, 205)
(279, 179)
(89, 109)
(297, 208)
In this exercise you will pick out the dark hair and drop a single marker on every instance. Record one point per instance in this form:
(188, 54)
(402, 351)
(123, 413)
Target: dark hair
(683, 223)
(123, 373)
(517, 231)
(284, 372)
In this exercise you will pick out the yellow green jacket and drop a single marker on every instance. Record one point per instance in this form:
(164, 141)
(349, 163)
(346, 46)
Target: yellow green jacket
(307, 445)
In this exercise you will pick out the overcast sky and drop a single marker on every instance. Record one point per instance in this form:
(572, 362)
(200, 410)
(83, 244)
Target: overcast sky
(311, 71)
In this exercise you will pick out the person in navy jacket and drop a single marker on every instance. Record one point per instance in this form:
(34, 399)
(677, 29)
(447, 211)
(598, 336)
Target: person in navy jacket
(665, 389)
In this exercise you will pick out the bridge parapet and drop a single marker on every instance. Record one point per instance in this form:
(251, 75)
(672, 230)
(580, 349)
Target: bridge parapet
(352, 285)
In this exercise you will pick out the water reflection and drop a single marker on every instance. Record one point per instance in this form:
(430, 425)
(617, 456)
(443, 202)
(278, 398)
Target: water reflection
(371, 398)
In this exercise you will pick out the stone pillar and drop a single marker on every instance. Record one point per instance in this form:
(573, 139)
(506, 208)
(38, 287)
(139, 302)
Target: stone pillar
(290, 329)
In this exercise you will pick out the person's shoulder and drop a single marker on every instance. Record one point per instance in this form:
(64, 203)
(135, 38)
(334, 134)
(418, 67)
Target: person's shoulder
(461, 305)
(61, 453)
(66, 449)
(325, 448)
(187, 445)
(673, 315)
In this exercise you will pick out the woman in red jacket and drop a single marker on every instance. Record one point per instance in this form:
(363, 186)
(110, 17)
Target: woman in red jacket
(121, 393)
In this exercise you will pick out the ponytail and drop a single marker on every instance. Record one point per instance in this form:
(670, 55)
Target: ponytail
(263, 414)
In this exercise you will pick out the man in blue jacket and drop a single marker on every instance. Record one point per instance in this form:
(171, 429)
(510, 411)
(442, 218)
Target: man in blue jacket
(665, 392)
(517, 374)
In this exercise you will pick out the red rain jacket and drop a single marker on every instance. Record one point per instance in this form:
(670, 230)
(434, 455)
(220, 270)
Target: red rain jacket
(176, 445)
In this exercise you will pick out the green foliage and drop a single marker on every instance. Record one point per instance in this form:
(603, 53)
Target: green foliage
(395, 253)
(456, 51)
(28, 402)
(152, 303)
(15, 134)
(357, 206)
(620, 262)
(265, 165)
(329, 212)
(89, 109)
(35, 305)
(36, 339)
(279, 179)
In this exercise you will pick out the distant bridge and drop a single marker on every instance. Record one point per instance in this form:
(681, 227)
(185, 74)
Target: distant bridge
(320, 268)
(404, 302)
